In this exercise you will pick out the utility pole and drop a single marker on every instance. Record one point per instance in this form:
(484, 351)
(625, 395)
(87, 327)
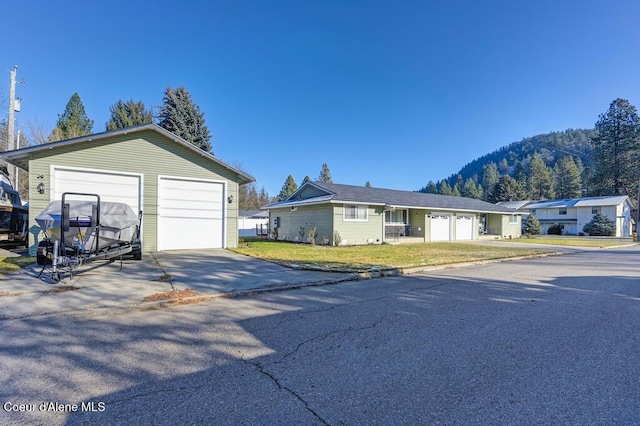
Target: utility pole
(13, 170)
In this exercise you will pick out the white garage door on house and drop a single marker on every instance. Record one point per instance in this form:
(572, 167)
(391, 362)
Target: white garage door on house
(464, 227)
(190, 213)
(109, 185)
(440, 225)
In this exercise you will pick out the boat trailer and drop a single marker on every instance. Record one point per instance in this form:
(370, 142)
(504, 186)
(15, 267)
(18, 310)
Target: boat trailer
(85, 229)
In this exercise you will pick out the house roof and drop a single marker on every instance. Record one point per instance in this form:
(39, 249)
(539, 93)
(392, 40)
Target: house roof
(20, 157)
(338, 193)
(613, 200)
(255, 214)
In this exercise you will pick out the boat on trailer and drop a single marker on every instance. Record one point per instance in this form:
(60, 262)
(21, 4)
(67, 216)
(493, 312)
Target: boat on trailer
(80, 228)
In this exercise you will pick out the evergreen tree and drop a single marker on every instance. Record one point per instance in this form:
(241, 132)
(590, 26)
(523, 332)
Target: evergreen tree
(288, 188)
(540, 180)
(616, 148)
(128, 114)
(306, 179)
(325, 174)
(183, 118)
(490, 177)
(507, 189)
(263, 197)
(431, 188)
(503, 167)
(600, 225)
(532, 226)
(73, 122)
(567, 178)
(470, 189)
(367, 184)
(445, 189)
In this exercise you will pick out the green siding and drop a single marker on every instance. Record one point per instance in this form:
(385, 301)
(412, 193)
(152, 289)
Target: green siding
(150, 154)
(306, 217)
(356, 232)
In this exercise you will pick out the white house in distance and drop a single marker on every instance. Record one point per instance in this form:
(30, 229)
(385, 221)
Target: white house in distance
(573, 214)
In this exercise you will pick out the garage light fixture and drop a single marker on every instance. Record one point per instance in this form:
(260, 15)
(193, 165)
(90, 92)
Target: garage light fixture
(230, 199)
(40, 188)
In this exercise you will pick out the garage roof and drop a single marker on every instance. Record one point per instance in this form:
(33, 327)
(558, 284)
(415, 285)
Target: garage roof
(20, 157)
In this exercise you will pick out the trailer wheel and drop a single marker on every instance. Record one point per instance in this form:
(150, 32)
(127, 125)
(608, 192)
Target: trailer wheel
(137, 255)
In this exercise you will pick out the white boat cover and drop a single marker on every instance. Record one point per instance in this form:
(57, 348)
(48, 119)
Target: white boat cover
(112, 215)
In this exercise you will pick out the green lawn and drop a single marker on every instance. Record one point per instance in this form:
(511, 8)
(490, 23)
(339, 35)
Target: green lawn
(567, 240)
(14, 263)
(362, 258)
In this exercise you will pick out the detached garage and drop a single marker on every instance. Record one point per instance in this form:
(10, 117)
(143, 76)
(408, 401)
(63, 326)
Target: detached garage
(188, 197)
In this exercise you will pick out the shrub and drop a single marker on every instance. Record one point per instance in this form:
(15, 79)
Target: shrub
(532, 226)
(555, 230)
(337, 239)
(600, 225)
(313, 234)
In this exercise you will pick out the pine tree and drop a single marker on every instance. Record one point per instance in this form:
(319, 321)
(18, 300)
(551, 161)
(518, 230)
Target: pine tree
(128, 114)
(306, 179)
(540, 180)
(288, 188)
(600, 225)
(490, 177)
(263, 197)
(431, 188)
(567, 178)
(367, 184)
(73, 122)
(616, 149)
(183, 118)
(445, 188)
(507, 189)
(532, 226)
(470, 189)
(325, 174)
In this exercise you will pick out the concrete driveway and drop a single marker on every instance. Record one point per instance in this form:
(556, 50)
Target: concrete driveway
(103, 286)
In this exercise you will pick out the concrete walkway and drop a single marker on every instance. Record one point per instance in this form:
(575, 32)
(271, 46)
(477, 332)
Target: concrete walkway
(158, 279)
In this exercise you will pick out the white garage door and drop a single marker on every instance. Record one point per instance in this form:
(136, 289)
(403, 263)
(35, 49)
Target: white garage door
(190, 214)
(111, 186)
(440, 227)
(464, 228)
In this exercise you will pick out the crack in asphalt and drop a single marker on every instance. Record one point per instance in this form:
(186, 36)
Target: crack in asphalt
(293, 393)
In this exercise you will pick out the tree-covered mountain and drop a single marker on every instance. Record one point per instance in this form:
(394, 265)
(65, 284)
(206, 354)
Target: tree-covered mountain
(545, 166)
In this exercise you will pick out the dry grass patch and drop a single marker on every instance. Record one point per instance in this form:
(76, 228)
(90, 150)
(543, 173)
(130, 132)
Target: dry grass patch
(171, 295)
(363, 258)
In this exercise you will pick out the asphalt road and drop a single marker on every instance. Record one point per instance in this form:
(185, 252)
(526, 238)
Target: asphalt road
(543, 341)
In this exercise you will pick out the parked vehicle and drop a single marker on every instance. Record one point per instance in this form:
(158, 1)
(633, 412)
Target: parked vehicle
(13, 215)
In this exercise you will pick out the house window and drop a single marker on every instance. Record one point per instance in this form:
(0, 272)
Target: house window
(513, 218)
(595, 210)
(562, 210)
(396, 217)
(356, 213)
(533, 211)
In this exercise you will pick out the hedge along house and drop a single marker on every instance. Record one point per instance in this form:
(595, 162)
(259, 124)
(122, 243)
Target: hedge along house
(346, 214)
(188, 197)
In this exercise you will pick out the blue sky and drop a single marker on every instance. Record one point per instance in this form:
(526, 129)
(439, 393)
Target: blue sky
(392, 92)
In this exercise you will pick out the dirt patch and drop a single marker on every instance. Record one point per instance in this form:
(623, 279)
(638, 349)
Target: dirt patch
(172, 294)
(8, 294)
(62, 289)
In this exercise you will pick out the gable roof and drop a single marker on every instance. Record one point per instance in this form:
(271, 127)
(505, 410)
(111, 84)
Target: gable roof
(20, 157)
(612, 200)
(337, 193)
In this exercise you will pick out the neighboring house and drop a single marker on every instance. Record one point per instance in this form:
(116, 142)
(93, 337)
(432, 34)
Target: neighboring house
(188, 197)
(252, 223)
(573, 214)
(349, 214)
